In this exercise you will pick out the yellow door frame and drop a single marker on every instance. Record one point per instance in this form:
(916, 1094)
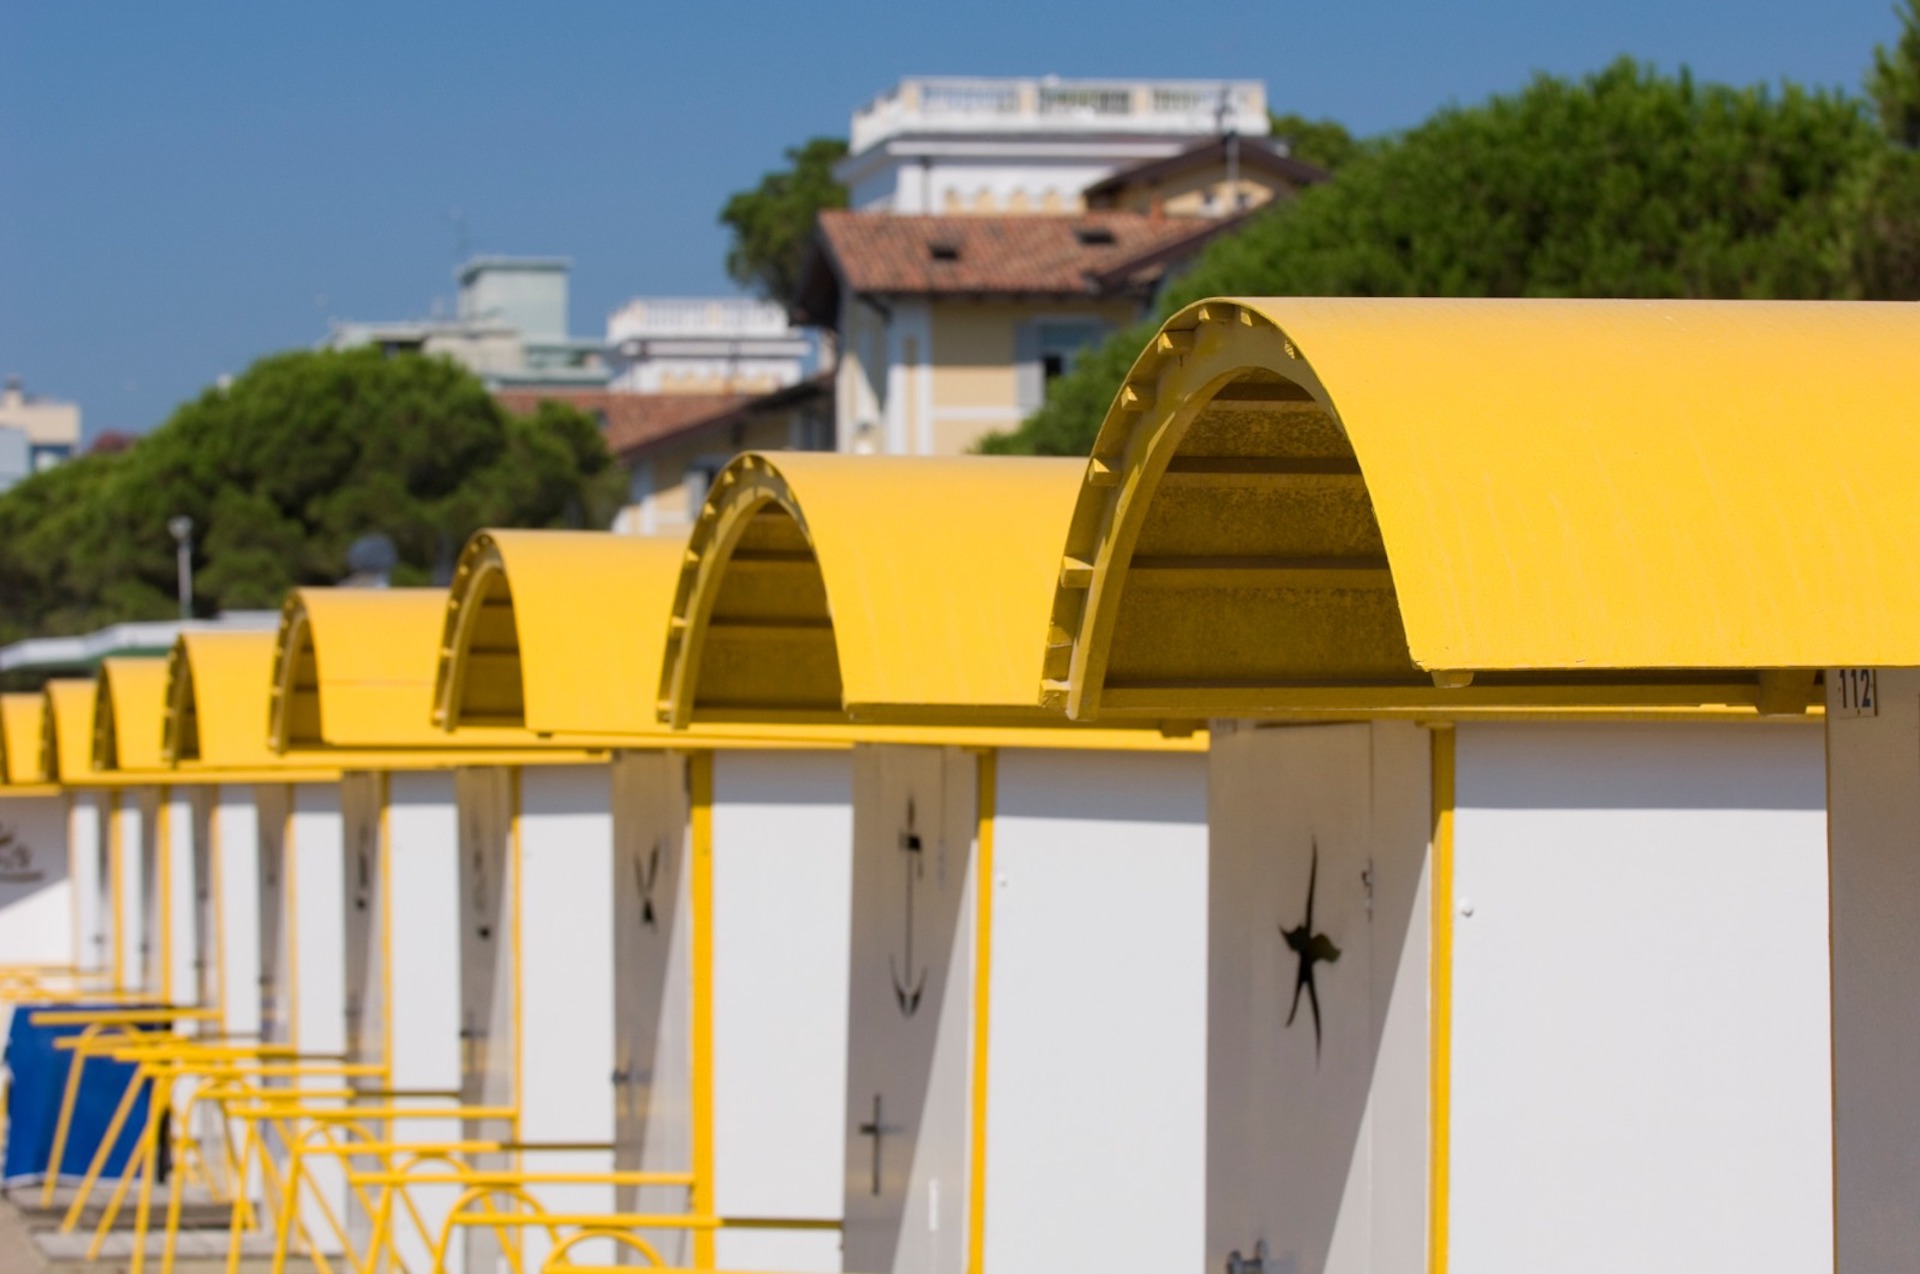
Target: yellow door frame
(700, 886)
(986, 785)
(1440, 1001)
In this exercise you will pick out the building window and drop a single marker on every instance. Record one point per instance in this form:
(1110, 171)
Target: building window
(1061, 345)
(815, 431)
(640, 516)
(699, 481)
(1045, 351)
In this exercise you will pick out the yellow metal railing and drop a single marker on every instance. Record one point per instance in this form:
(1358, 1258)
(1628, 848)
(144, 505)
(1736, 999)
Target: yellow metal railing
(267, 1138)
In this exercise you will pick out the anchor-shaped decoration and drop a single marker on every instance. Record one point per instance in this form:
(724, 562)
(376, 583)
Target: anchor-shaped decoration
(473, 1048)
(644, 874)
(907, 996)
(626, 1078)
(1312, 949)
(363, 874)
(480, 924)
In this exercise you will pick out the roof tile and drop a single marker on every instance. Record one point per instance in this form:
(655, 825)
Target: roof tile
(1019, 254)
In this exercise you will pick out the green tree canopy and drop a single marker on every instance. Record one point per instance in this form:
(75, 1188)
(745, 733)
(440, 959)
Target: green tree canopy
(280, 472)
(772, 224)
(1889, 243)
(1894, 80)
(1626, 183)
(1324, 143)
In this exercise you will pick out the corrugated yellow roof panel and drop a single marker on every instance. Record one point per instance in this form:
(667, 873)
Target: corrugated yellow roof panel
(68, 742)
(565, 631)
(354, 674)
(558, 632)
(22, 724)
(219, 686)
(130, 703)
(1296, 493)
(911, 590)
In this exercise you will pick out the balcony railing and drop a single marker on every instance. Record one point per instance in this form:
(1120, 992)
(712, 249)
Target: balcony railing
(697, 316)
(934, 105)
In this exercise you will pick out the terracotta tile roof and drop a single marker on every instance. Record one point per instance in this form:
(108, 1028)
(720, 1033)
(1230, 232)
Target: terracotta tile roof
(631, 419)
(729, 412)
(1030, 254)
(1262, 154)
(1019, 254)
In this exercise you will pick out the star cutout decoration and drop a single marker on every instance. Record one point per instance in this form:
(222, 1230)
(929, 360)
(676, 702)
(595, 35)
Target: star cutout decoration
(1312, 949)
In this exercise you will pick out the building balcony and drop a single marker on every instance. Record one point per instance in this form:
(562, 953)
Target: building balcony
(928, 104)
(729, 317)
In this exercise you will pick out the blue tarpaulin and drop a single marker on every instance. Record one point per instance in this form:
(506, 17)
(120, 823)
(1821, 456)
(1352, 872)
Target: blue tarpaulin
(39, 1084)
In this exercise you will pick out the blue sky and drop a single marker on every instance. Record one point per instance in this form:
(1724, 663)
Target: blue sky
(184, 188)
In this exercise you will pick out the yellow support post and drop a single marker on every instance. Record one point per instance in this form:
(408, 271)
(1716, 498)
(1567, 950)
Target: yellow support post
(701, 1194)
(99, 1162)
(982, 1005)
(1440, 997)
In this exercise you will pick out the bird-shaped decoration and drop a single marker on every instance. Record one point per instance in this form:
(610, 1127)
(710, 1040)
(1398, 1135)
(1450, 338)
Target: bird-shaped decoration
(1312, 949)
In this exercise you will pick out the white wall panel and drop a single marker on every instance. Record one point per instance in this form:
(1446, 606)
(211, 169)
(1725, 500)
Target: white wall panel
(1640, 1064)
(36, 886)
(423, 876)
(421, 851)
(314, 854)
(1096, 1090)
(315, 875)
(36, 906)
(132, 853)
(566, 982)
(185, 950)
(782, 864)
(233, 849)
(86, 837)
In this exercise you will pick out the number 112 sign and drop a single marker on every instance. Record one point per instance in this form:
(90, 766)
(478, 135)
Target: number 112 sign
(1856, 693)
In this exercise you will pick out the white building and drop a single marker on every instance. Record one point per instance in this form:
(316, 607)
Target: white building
(509, 328)
(704, 345)
(36, 433)
(948, 145)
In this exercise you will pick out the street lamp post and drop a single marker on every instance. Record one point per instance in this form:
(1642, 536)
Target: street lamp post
(180, 527)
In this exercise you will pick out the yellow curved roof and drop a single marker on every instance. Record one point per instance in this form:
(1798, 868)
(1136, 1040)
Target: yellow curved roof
(22, 725)
(1680, 503)
(354, 676)
(558, 632)
(564, 632)
(219, 685)
(129, 706)
(66, 743)
(890, 589)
